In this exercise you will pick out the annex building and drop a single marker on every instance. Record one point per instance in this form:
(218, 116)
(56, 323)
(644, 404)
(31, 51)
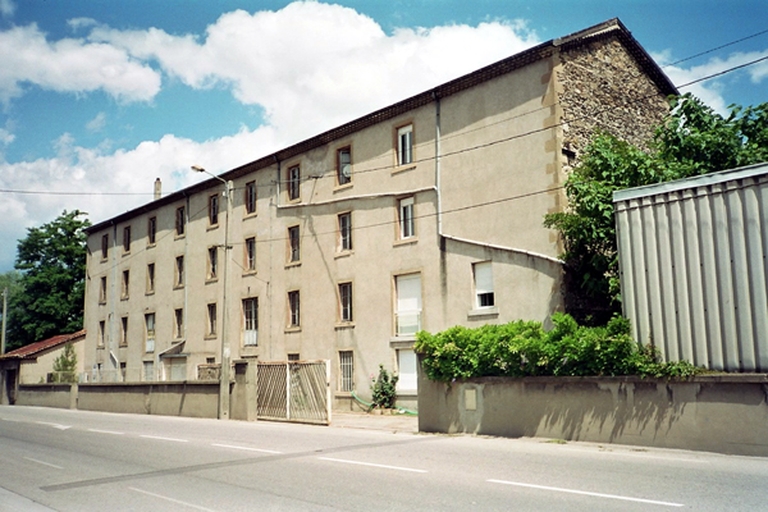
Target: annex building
(422, 215)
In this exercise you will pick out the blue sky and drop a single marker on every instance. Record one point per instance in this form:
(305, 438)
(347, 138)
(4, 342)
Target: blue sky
(98, 98)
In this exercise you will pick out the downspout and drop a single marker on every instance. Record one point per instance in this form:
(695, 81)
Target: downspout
(114, 342)
(272, 324)
(441, 240)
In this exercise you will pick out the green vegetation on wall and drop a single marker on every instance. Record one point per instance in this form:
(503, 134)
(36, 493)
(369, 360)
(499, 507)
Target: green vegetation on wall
(524, 348)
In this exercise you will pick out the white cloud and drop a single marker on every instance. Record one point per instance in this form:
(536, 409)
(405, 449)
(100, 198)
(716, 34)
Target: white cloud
(7, 8)
(70, 65)
(97, 123)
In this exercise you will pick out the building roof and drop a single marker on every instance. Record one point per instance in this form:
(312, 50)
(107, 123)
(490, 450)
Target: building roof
(611, 28)
(33, 349)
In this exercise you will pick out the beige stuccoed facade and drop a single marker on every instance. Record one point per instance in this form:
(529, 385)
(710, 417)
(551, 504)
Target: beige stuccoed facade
(436, 221)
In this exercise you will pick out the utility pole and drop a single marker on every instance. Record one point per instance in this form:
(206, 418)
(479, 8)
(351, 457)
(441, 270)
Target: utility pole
(5, 315)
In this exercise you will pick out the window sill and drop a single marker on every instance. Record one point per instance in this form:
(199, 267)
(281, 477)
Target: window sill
(100, 347)
(178, 287)
(210, 336)
(102, 303)
(152, 245)
(250, 215)
(405, 241)
(344, 254)
(249, 273)
(212, 227)
(403, 168)
(126, 253)
(483, 312)
(292, 329)
(402, 343)
(211, 280)
(291, 264)
(124, 298)
(344, 325)
(179, 237)
(103, 260)
(341, 188)
(295, 200)
(149, 292)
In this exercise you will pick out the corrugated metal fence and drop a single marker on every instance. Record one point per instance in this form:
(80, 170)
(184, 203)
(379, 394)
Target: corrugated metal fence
(693, 265)
(294, 391)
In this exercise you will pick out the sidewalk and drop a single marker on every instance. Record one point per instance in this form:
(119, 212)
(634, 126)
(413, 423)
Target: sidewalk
(375, 421)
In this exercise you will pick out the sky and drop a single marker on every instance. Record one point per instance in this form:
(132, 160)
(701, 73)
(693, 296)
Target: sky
(98, 98)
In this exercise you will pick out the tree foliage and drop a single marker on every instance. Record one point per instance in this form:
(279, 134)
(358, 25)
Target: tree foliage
(51, 260)
(693, 140)
(65, 366)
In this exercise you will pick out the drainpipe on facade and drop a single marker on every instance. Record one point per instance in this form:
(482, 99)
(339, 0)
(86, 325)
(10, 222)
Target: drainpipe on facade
(440, 238)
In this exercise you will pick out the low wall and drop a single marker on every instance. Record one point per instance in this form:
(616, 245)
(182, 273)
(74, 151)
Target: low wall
(718, 413)
(61, 396)
(196, 399)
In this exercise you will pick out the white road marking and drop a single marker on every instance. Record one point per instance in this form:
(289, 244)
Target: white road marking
(383, 466)
(43, 463)
(246, 448)
(172, 500)
(106, 432)
(587, 493)
(54, 425)
(175, 440)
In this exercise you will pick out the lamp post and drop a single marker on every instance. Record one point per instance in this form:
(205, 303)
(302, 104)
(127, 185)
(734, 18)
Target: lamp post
(225, 355)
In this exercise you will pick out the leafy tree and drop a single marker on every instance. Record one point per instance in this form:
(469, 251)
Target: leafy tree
(51, 260)
(65, 366)
(693, 140)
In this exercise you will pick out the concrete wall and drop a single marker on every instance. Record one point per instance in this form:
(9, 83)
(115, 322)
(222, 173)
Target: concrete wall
(192, 399)
(724, 413)
(61, 396)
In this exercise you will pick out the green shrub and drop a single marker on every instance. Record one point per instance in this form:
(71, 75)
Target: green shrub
(384, 389)
(524, 348)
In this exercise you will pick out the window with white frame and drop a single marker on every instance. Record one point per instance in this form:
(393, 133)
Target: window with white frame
(346, 370)
(406, 370)
(405, 218)
(250, 254)
(149, 371)
(294, 244)
(212, 314)
(294, 183)
(213, 262)
(405, 145)
(294, 309)
(345, 302)
(177, 368)
(250, 197)
(149, 334)
(251, 322)
(408, 304)
(344, 166)
(345, 231)
(484, 296)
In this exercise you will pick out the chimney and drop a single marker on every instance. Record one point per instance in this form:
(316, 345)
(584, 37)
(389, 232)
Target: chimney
(158, 189)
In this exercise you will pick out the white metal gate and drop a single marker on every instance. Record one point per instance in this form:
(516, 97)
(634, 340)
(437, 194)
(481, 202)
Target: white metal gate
(297, 391)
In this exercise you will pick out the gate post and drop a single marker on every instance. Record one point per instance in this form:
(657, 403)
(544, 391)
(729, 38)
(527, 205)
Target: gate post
(288, 391)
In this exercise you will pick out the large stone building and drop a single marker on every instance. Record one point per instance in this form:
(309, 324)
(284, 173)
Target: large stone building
(422, 215)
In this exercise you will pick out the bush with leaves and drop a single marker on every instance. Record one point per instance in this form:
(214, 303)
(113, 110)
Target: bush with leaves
(524, 348)
(384, 389)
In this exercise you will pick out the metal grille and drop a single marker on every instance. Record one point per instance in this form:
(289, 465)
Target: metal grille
(294, 391)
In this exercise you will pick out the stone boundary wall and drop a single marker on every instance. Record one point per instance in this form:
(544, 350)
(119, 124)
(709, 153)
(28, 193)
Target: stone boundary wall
(719, 413)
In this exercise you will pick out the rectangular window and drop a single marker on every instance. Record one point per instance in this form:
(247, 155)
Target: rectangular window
(127, 238)
(406, 370)
(104, 246)
(346, 371)
(345, 302)
(212, 319)
(103, 290)
(294, 244)
(149, 371)
(177, 367)
(102, 333)
(250, 197)
(125, 290)
(178, 316)
(294, 183)
(294, 357)
(213, 262)
(344, 166)
(213, 209)
(251, 322)
(405, 145)
(149, 336)
(408, 304)
(152, 230)
(179, 272)
(407, 228)
(484, 285)
(250, 254)
(181, 220)
(124, 331)
(150, 277)
(294, 309)
(345, 232)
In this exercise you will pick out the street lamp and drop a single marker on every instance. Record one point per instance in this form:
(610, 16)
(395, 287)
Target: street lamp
(225, 355)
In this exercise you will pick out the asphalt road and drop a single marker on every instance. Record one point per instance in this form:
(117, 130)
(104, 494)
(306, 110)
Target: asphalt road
(63, 460)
